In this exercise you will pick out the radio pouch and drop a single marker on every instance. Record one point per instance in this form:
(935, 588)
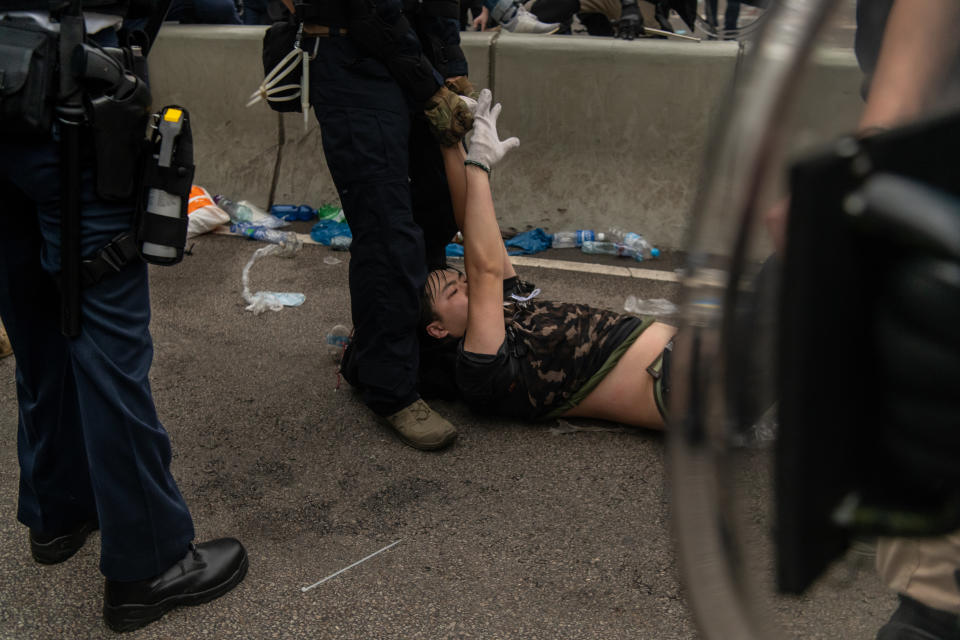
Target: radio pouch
(161, 226)
(28, 78)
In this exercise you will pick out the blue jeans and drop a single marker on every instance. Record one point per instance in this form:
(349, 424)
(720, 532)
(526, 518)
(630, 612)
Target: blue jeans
(89, 441)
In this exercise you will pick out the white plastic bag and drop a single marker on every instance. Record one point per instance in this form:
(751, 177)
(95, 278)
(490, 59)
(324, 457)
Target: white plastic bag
(203, 215)
(270, 300)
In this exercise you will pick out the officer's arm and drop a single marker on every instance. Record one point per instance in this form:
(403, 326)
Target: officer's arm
(919, 46)
(438, 24)
(383, 32)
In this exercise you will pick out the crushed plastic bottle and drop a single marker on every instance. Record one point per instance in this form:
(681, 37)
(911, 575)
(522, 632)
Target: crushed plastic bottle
(566, 239)
(652, 307)
(611, 248)
(640, 245)
(637, 251)
(337, 340)
(265, 234)
(245, 211)
(341, 243)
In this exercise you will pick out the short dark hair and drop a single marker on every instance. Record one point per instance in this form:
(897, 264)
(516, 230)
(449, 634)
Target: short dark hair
(427, 311)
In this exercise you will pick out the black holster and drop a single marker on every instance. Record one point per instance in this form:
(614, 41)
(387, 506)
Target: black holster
(117, 102)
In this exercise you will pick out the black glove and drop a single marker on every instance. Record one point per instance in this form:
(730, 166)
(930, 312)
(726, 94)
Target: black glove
(918, 345)
(630, 25)
(916, 337)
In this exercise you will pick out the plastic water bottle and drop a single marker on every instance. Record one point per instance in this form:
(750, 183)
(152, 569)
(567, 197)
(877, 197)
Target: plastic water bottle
(341, 243)
(565, 239)
(613, 249)
(245, 211)
(337, 341)
(265, 234)
(644, 250)
(338, 338)
(604, 247)
(236, 212)
(293, 211)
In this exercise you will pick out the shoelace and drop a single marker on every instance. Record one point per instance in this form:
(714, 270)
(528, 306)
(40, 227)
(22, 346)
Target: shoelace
(268, 91)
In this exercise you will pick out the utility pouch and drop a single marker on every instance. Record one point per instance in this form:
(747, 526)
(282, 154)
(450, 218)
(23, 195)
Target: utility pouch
(161, 221)
(28, 78)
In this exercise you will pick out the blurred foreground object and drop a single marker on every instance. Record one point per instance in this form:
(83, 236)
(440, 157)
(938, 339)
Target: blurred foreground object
(845, 348)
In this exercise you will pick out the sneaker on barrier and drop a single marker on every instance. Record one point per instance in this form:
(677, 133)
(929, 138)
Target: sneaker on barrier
(526, 22)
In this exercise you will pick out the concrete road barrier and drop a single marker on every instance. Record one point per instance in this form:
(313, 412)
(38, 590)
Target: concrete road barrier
(613, 133)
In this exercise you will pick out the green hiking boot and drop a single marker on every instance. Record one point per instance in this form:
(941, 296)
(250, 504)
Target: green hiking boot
(422, 428)
(5, 348)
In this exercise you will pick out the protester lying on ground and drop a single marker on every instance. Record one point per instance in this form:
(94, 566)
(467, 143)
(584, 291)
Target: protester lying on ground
(534, 358)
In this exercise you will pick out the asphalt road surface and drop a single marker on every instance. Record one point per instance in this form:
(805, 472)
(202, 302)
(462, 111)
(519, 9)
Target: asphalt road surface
(529, 531)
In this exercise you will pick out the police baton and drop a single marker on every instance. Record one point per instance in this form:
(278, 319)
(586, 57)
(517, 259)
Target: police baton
(70, 116)
(154, 22)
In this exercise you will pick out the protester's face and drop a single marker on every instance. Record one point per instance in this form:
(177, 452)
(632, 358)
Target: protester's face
(448, 291)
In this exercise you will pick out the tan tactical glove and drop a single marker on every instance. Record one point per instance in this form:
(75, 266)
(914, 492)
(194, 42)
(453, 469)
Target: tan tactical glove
(450, 118)
(461, 85)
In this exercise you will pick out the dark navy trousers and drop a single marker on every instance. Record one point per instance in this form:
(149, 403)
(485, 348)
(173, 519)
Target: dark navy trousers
(89, 441)
(365, 124)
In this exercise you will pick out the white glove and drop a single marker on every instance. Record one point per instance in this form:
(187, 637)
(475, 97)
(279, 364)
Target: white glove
(486, 148)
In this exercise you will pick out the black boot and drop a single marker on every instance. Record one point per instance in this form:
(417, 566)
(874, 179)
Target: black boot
(208, 571)
(47, 549)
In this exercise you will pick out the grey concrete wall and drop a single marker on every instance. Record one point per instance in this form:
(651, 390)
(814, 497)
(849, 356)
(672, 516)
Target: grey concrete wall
(613, 133)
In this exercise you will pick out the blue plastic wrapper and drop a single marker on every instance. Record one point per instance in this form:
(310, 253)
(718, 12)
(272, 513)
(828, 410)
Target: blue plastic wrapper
(325, 230)
(533, 241)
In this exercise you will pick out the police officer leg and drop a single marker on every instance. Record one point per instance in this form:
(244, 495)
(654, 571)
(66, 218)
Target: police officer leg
(56, 499)
(146, 527)
(364, 123)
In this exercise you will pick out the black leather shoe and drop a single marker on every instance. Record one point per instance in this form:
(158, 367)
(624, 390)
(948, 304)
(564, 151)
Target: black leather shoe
(208, 571)
(54, 549)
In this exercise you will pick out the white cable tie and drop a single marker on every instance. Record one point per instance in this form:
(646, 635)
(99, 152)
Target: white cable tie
(333, 575)
(533, 294)
(305, 90)
(268, 87)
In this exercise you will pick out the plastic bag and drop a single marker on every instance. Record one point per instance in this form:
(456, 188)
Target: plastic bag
(454, 250)
(273, 300)
(533, 241)
(652, 307)
(326, 230)
(203, 215)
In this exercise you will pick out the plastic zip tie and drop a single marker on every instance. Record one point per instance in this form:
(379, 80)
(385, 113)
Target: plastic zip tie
(335, 574)
(278, 73)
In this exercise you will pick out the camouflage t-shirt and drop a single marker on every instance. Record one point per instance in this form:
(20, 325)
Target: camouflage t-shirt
(549, 351)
